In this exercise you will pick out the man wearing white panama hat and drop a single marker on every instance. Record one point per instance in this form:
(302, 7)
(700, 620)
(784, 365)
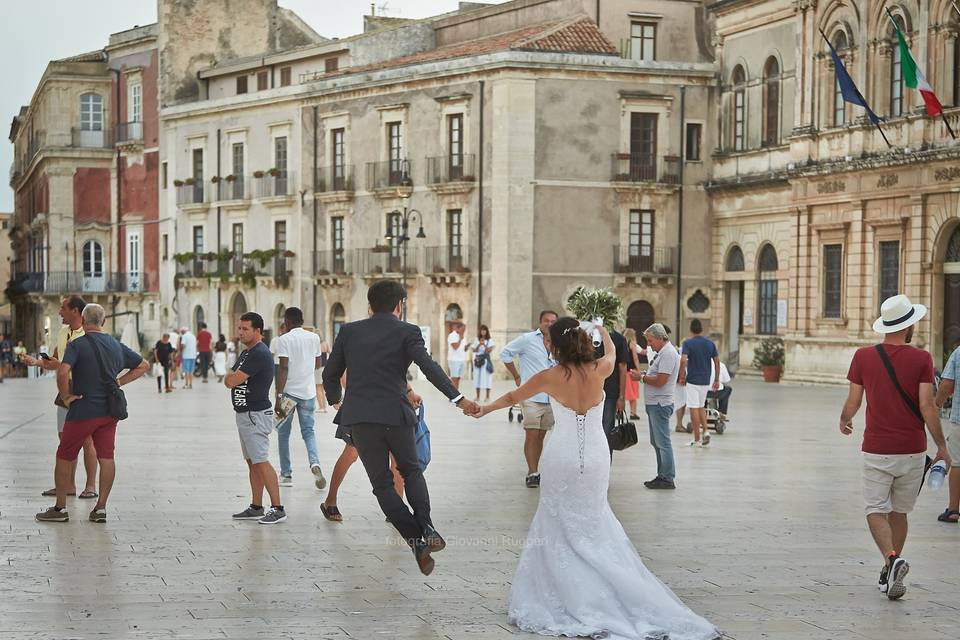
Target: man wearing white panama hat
(898, 381)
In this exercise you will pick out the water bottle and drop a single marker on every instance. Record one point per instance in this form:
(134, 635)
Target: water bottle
(937, 473)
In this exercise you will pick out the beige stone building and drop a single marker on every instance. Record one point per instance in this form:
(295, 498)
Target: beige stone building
(6, 253)
(815, 219)
(536, 150)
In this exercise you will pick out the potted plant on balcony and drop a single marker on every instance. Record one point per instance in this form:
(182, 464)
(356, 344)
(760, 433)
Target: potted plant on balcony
(184, 258)
(289, 254)
(178, 183)
(769, 358)
(231, 178)
(190, 182)
(258, 174)
(274, 172)
(215, 179)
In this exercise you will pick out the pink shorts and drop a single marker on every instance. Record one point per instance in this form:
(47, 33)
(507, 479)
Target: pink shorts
(103, 430)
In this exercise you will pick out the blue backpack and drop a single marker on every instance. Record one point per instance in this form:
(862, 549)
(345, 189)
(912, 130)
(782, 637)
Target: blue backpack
(423, 440)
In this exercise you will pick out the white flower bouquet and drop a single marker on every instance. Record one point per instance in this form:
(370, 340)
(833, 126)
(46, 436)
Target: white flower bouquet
(596, 307)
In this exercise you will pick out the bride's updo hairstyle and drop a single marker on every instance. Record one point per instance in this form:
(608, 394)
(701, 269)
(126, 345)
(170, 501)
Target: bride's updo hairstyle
(570, 344)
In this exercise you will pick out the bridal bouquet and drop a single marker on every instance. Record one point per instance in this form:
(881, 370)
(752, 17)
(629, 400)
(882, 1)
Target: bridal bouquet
(597, 306)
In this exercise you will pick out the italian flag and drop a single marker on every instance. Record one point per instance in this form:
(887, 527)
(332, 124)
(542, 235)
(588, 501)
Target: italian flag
(913, 77)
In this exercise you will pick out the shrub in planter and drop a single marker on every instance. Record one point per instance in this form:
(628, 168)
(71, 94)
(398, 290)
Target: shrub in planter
(258, 174)
(769, 358)
(178, 183)
(215, 179)
(231, 178)
(274, 172)
(189, 182)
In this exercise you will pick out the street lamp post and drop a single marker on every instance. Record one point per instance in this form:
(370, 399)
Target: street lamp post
(407, 216)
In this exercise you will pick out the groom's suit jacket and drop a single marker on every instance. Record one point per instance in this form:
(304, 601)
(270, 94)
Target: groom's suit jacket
(376, 354)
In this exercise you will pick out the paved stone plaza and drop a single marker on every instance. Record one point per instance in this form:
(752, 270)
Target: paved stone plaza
(765, 535)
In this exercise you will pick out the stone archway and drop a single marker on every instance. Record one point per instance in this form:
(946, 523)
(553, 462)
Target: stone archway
(640, 315)
(950, 326)
(237, 307)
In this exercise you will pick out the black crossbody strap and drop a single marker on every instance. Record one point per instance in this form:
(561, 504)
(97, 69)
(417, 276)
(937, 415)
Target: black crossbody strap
(103, 370)
(893, 377)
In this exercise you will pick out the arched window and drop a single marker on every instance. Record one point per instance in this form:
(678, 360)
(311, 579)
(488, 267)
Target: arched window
(337, 318)
(771, 104)
(896, 71)
(199, 317)
(92, 259)
(767, 289)
(238, 307)
(278, 317)
(735, 259)
(739, 108)
(91, 112)
(839, 106)
(640, 315)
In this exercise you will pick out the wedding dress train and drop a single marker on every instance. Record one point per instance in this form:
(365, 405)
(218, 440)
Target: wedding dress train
(579, 575)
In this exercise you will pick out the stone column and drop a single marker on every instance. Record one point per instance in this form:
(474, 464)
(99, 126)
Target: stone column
(859, 283)
(513, 139)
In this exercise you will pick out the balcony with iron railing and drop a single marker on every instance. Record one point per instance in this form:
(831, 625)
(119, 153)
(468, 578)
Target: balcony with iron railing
(333, 262)
(384, 259)
(448, 265)
(452, 172)
(274, 186)
(232, 189)
(130, 133)
(192, 196)
(334, 183)
(636, 264)
(62, 282)
(632, 168)
(389, 178)
(91, 139)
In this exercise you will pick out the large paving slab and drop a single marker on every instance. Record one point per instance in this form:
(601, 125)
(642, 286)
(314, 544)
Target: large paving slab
(765, 535)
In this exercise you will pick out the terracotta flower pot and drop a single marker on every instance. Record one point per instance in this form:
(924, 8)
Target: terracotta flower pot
(771, 373)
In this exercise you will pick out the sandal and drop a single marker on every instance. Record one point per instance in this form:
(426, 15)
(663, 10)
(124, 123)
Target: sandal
(49, 493)
(953, 517)
(331, 513)
(88, 495)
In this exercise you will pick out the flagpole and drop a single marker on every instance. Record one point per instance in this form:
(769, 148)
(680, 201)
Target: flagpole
(876, 124)
(955, 7)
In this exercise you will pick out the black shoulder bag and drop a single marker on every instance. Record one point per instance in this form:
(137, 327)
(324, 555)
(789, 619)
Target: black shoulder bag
(116, 400)
(623, 434)
(906, 399)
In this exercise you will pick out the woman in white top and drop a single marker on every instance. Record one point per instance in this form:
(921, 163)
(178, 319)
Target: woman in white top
(220, 358)
(482, 348)
(232, 353)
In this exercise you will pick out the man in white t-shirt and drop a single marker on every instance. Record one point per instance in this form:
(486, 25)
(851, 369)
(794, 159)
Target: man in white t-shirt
(299, 353)
(188, 355)
(456, 352)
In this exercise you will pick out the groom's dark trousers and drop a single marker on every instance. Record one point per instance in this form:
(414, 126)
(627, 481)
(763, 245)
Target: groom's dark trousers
(374, 443)
(375, 354)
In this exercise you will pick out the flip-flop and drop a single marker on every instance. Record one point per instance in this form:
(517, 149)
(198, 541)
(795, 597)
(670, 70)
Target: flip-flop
(49, 493)
(947, 515)
(88, 495)
(331, 513)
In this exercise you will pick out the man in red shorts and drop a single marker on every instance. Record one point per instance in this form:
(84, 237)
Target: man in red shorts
(86, 401)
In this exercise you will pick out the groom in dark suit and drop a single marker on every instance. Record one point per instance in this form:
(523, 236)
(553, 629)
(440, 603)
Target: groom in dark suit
(376, 354)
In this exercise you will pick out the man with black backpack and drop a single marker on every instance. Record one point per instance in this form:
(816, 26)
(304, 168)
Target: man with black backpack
(898, 382)
(94, 404)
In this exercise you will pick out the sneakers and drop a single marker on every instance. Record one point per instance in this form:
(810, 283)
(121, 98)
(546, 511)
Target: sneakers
(276, 515)
(706, 438)
(533, 480)
(660, 483)
(321, 482)
(98, 515)
(882, 584)
(286, 481)
(250, 513)
(898, 571)
(53, 515)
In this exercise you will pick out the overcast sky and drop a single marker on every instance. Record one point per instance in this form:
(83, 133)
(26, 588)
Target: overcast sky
(35, 32)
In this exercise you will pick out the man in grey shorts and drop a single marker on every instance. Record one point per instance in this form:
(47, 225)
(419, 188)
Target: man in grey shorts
(249, 383)
(533, 349)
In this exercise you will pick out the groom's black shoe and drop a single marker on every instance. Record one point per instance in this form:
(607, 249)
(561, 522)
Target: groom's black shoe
(434, 541)
(422, 553)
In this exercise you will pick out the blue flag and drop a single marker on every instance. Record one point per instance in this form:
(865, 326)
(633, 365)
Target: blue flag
(849, 90)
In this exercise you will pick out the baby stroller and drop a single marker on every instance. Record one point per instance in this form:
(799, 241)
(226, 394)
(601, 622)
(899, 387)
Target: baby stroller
(715, 419)
(519, 414)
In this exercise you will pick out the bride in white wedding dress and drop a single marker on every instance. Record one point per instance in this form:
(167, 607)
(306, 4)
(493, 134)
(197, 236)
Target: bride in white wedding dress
(579, 575)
